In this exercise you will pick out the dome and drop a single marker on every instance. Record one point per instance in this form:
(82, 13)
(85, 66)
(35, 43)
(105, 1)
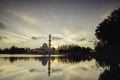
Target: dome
(44, 61)
(45, 45)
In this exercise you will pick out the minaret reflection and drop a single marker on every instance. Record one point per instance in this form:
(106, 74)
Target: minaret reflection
(49, 66)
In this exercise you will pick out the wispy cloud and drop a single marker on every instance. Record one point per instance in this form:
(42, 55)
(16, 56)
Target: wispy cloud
(16, 35)
(1, 70)
(10, 37)
(28, 18)
(2, 38)
(82, 39)
(90, 41)
(57, 70)
(84, 68)
(56, 38)
(36, 70)
(13, 40)
(24, 17)
(75, 32)
(2, 26)
(37, 37)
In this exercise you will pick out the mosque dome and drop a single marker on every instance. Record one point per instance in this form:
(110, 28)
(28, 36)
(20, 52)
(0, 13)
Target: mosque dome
(44, 45)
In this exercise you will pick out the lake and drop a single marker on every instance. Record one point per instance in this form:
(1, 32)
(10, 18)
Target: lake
(53, 67)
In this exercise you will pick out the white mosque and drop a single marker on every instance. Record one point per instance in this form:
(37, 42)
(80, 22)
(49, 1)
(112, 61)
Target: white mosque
(45, 49)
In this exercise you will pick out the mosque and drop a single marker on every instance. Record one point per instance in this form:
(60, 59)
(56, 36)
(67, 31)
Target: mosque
(45, 49)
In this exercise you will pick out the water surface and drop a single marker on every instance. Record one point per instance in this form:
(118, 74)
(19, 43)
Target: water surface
(37, 67)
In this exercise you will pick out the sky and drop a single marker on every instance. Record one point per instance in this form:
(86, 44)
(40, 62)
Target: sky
(27, 23)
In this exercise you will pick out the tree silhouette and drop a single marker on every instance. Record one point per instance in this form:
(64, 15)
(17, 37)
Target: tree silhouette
(73, 49)
(108, 34)
(14, 50)
(113, 70)
(108, 30)
(110, 75)
(108, 46)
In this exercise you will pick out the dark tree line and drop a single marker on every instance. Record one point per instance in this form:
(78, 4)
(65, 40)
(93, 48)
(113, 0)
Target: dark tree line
(45, 59)
(73, 49)
(64, 49)
(13, 50)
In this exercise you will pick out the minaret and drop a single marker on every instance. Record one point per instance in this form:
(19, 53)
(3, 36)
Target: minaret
(49, 40)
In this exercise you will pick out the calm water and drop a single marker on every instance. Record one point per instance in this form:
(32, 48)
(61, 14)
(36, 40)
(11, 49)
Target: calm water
(36, 67)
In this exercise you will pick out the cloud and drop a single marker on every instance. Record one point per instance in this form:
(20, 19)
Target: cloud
(56, 70)
(2, 26)
(2, 38)
(37, 38)
(83, 68)
(36, 70)
(28, 19)
(83, 39)
(24, 17)
(56, 38)
(1, 70)
(90, 41)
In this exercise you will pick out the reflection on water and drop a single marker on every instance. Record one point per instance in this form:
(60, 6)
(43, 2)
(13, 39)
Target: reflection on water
(113, 71)
(52, 68)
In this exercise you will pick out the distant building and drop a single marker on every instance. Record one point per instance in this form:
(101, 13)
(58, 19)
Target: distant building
(45, 49)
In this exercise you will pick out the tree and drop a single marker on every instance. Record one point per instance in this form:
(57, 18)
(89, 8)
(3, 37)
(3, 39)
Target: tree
(73, 49)
(109, 29)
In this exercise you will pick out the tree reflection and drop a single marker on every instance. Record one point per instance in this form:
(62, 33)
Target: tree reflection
(73, 59)
(113, 64)
(45, 59)
(113, 74)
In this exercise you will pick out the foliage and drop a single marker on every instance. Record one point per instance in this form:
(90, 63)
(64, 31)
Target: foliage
(13, 50)
(108, 31)
(73, 49)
